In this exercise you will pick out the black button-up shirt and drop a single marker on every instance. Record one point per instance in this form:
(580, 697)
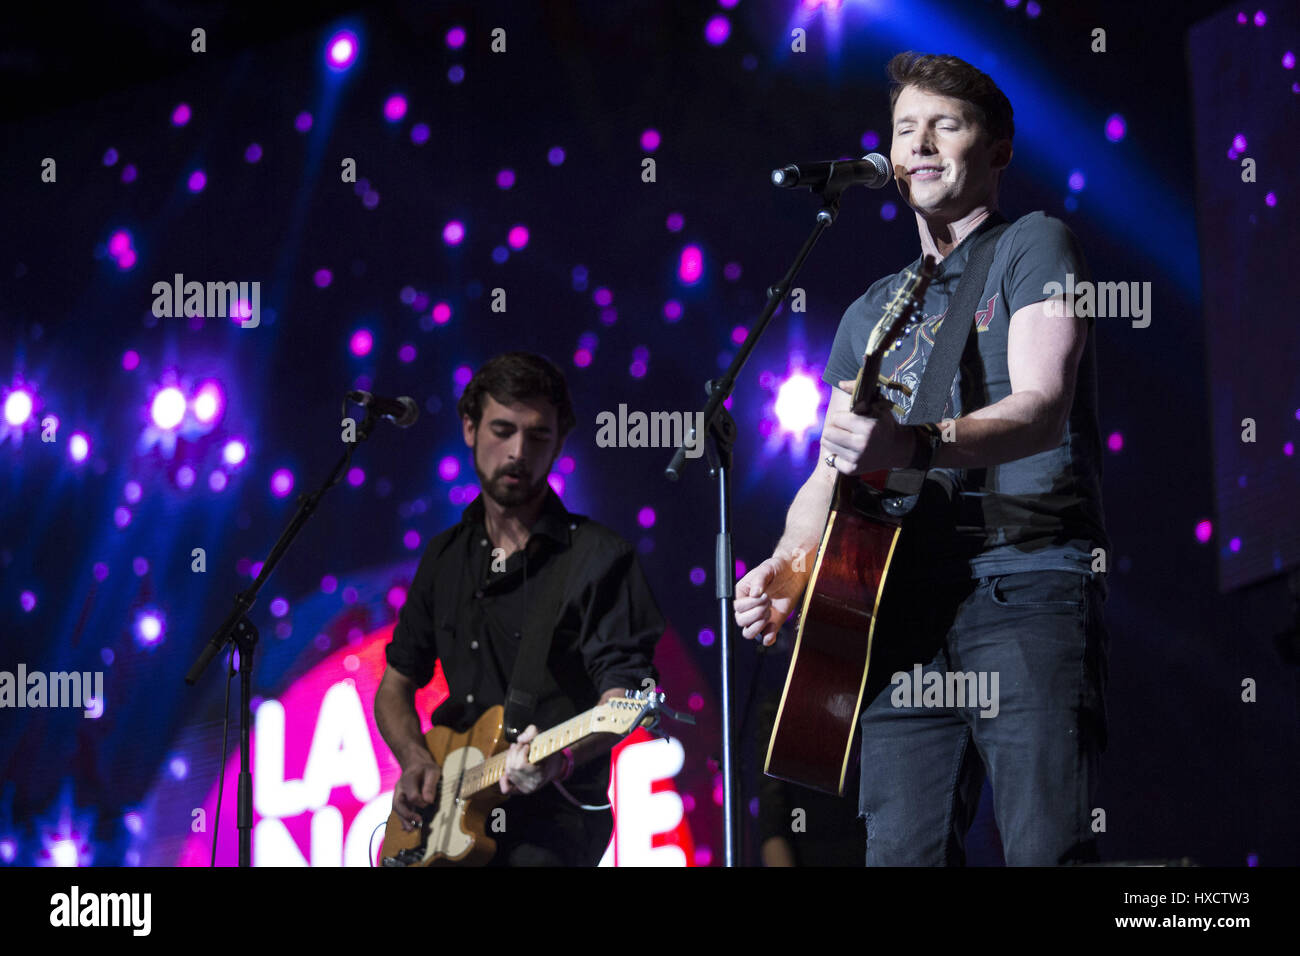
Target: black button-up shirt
(575, 576)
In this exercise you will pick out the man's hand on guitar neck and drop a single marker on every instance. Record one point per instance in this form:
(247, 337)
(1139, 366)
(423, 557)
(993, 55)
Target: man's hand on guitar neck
(862, 443)
(524, 777)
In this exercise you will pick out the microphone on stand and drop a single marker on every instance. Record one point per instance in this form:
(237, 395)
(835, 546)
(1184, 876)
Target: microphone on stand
(872, 171)
(401, 411)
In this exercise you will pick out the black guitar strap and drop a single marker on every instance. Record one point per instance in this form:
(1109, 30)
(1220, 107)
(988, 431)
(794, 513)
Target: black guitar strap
(950, 341)
(530, 663)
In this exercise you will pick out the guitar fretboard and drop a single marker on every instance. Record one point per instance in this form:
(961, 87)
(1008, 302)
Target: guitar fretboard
(490, 771)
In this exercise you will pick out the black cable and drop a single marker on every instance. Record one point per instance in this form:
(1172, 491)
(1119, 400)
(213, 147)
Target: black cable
(225, 738)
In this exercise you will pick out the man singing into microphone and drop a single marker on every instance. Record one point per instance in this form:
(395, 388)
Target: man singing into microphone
(518, 561)
(997, 570)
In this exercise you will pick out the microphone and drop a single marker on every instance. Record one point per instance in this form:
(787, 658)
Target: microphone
(401, 411)
(872, 171)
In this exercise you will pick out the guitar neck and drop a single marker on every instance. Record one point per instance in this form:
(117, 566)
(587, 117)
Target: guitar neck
(490, 771)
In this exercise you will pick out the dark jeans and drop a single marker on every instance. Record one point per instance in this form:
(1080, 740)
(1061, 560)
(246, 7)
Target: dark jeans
(544, 829)
(1042, 637)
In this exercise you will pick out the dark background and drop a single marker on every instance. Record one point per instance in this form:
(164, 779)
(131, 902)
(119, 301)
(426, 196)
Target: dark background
(1191, 770)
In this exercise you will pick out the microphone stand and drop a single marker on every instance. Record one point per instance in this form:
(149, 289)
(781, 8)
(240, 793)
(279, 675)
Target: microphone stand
(721, 436)
(237, 629)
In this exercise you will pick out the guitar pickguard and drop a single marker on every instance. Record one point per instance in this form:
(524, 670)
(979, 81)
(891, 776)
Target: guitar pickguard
(445, 833)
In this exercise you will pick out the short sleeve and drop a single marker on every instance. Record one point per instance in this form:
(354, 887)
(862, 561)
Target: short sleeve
(621, 624)
(413, 650)
(1043, 251)
(846, 358)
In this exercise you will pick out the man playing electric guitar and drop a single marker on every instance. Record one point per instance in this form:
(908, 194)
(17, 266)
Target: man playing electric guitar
(517, 564)
(996, 569)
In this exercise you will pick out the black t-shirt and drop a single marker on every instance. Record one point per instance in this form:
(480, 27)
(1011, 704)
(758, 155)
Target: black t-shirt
(1042, 512)
(575, 576)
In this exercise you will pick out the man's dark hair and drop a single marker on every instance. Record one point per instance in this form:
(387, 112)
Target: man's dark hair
(514, 377)
(949, 76)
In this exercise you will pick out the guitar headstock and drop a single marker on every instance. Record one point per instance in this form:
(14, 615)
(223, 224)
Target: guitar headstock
(907, 299)
(622, 715)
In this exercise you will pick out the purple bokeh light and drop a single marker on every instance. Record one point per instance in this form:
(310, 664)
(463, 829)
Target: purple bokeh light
(181, 114)
(168, 408)
(717, 30)
(78, 447)
(361, 343)
(517, 237)
(448, 468)
(1115, 127)
(1204, 529)
(690, 267)
(252, 153)
(18, 407)
(209, 402)
(1076, 181)
(341, 51)
(441, 313)
(453, 233)
(456, 38)
(281, 482)
(555, 155)
(672, 310)
(198, 181)
(394, 107)
(302, 122)
(420, 134)
(234, 452)
(150, 628)
(650, 140)
(322, 278)
(506, 178)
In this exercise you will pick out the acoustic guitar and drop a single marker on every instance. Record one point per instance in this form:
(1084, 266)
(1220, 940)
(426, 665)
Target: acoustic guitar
(454, 828)
(837, 621)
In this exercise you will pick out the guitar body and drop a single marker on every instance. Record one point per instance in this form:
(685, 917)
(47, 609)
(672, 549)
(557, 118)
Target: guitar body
(454, 831)
(832, 652)
(837, 623)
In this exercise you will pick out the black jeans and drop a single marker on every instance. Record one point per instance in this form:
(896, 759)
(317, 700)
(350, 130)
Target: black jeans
(544, 829)
(1017, 692)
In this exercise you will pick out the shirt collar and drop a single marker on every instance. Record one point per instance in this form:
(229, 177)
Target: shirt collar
(555, 521)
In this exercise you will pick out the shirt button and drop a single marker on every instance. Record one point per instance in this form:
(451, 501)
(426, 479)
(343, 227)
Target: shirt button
(478, 594)
(483, 542)
(469, 698)
(473, 645)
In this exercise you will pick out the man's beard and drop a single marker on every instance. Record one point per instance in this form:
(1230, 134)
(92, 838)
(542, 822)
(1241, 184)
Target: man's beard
(503, 493)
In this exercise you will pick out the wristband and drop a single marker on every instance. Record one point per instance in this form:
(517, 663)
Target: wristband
(568, 763)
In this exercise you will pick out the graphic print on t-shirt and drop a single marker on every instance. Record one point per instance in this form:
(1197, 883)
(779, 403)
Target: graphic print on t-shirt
(912, 351)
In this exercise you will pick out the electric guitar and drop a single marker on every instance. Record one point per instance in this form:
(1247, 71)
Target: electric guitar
(453, 828)
(832, 652)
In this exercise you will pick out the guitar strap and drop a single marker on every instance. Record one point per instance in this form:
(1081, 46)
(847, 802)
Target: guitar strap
(950, 341)
(530, 663)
